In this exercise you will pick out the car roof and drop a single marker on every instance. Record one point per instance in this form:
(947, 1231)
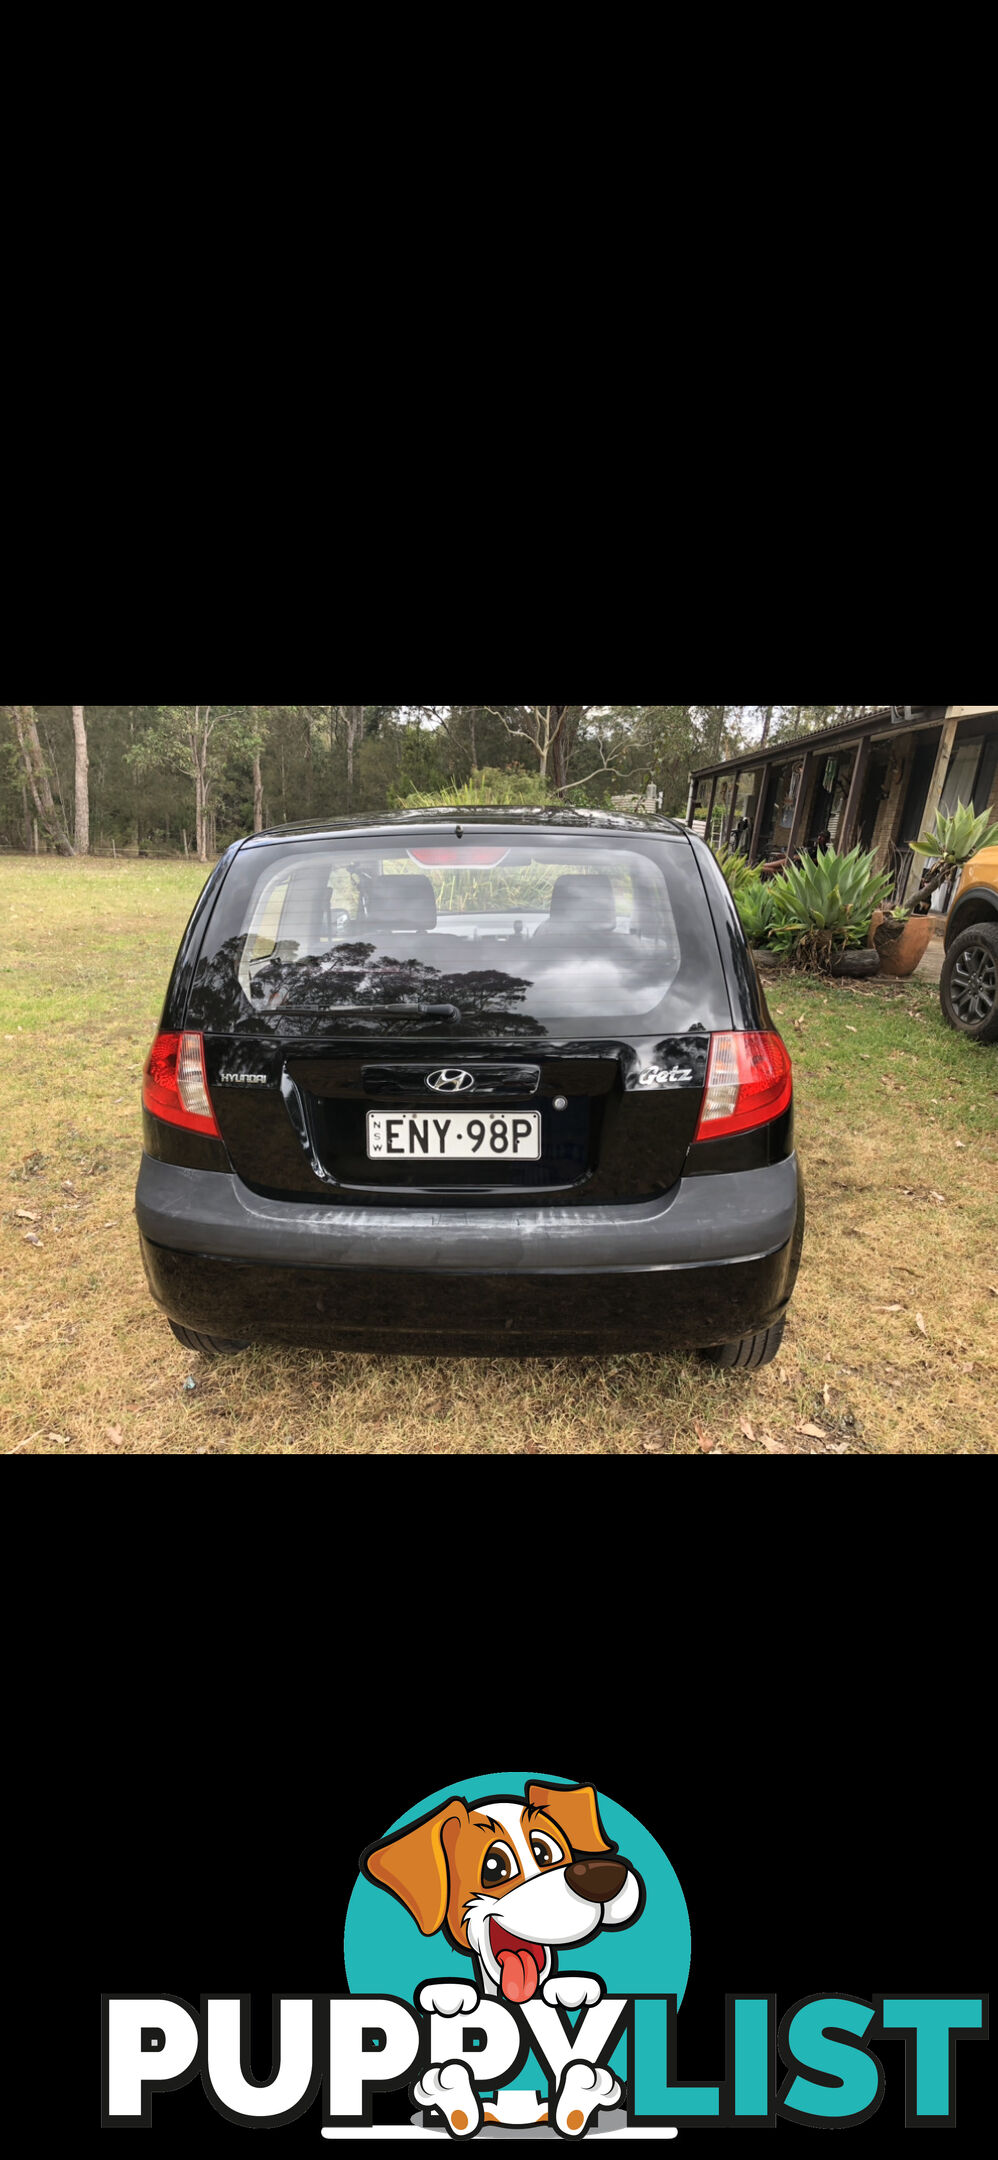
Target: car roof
(527, 817)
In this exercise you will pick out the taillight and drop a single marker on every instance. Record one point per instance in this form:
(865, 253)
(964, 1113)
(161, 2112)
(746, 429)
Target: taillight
(175, 1085)
(749, 1082)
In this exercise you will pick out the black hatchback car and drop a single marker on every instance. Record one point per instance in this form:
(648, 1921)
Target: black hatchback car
(484, 1081)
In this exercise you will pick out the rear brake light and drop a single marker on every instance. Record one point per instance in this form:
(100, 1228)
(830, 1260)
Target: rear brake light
(464, 857)
(749, 1082)
(175, 1085)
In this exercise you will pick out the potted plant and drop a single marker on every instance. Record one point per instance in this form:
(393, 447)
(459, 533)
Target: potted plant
(901, 938)
(904, 933)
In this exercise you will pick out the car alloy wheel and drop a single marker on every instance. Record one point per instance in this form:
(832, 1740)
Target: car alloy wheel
(974, 985)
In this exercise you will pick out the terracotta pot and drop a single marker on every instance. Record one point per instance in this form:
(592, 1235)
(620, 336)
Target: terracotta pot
(901, 955)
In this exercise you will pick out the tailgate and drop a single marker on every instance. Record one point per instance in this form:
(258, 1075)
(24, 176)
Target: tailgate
(615, 1120)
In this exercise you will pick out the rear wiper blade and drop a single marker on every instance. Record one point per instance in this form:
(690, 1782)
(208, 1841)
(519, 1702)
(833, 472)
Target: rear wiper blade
(364, 1012)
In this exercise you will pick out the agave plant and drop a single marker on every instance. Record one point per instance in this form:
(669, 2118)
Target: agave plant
(820, 906)
(734, 868)
(754, 902)
(953, 840)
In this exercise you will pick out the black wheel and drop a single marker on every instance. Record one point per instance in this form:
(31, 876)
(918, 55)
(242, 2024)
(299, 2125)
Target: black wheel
(968, 985)
(751, 1350)
(209, 1345)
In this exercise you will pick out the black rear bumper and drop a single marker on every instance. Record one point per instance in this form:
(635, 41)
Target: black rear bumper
(716, 1260)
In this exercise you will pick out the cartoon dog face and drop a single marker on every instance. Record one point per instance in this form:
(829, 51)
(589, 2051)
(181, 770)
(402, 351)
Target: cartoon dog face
(510, 1882)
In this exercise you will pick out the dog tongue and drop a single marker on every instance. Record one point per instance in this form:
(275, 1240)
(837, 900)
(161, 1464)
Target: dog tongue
(519, 1975)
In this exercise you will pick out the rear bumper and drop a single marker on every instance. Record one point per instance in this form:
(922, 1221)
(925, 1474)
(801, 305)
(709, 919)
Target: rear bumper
(716, 1259)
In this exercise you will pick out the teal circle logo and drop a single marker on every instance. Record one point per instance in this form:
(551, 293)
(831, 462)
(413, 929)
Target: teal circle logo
(385, 1952)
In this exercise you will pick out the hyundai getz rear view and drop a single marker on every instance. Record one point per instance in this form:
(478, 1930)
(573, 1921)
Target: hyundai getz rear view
(488, 1081)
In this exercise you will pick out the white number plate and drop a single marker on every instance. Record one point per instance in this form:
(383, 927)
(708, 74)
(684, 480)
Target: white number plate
(454, 1135)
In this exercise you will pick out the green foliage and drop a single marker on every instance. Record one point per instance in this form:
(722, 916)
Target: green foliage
(822, 905)
(157, 772)
(756, 908)
(734, 868)
(955, 839)
(489, 789)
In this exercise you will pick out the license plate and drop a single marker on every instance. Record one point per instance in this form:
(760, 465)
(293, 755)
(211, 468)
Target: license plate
(454, 1135)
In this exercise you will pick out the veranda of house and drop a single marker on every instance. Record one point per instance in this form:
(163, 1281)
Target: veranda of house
(878, 781)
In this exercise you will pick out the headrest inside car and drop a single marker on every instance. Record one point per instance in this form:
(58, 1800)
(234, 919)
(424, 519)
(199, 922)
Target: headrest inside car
(587, 901)
(402, 903)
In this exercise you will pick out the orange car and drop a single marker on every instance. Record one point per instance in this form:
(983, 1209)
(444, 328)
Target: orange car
(968, 986)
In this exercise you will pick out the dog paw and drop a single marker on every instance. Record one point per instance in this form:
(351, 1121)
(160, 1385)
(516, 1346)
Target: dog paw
(448, 1998)
(571, 1990)
(448, 2087)
(582, 2090)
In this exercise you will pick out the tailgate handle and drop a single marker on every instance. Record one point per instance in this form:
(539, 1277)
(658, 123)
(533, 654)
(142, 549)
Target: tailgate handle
(296, 1112)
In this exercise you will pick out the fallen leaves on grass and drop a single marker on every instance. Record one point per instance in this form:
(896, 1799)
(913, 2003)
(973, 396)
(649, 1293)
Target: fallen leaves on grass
(920, 1324)
(704, 1439)
(812, 1432)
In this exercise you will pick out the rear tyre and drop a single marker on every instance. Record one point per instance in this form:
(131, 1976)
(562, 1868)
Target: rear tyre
(751, 1350)
(968, 985)
(209, 1345)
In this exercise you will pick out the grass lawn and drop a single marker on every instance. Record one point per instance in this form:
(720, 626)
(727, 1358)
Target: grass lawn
(892, 1341)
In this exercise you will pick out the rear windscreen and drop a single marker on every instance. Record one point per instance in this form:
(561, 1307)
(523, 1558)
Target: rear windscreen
(580, 935)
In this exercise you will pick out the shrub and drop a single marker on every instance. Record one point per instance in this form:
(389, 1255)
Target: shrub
(754, 902)
(734, 868)
(955, 839)
(489, 789)
(820, 906)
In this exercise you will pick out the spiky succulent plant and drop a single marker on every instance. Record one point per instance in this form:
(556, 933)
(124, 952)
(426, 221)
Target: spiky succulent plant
(955, 839)
(735, 868)
(824, 904)
(754, 902)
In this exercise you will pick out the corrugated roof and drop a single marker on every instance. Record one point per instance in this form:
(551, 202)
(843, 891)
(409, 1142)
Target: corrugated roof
(785, 745)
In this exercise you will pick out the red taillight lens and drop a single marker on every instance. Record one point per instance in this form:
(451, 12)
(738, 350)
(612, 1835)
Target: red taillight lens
(175, 1085)
(749, 1081)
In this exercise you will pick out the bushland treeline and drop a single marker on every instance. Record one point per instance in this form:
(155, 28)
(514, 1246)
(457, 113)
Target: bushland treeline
(189, 778)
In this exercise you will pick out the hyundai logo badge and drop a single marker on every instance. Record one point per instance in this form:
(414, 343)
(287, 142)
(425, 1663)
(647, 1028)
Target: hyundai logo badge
(450, 1081)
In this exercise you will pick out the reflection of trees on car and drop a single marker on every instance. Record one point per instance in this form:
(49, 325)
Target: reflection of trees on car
(358, 974)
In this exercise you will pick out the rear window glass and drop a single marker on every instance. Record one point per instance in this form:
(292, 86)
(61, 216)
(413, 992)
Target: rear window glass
(579, 932)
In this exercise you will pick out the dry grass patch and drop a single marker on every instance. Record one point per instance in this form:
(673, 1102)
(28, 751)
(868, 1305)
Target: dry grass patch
(897, 1132)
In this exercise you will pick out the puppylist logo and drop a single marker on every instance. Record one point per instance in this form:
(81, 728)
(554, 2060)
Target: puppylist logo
(516, 1954)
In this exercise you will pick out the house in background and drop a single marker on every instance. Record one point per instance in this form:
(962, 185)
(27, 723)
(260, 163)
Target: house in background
(877, 781)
